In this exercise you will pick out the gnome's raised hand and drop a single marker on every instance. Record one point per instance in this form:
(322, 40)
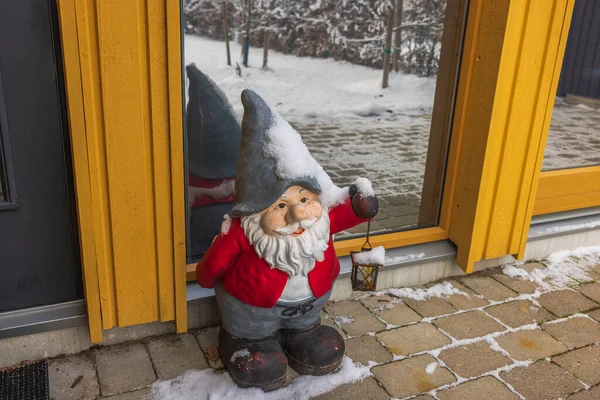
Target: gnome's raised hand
(364, 201)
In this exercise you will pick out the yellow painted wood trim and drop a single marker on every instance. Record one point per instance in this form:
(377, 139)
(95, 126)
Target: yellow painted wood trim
(569, 189)
(503, 125)
(568, 181)
(532, 202)
(126, 59)
(389, 240)
(77, 129)
(160, 138)
(566, 203)
(460, 111)
(175, 76)
(93, 111)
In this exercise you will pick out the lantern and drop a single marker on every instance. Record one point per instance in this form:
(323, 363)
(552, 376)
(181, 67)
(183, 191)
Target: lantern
(364, 269)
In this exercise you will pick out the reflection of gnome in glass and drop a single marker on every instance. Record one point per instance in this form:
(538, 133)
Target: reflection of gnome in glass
(273, 264)
(213, 143)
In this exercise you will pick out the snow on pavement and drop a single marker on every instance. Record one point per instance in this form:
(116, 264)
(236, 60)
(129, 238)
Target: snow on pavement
(210, 385)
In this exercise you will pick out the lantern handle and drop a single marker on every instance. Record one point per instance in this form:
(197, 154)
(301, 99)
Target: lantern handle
(367, 242)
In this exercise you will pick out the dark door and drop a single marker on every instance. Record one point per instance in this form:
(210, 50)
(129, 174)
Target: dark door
(38, 253)
(580, 73)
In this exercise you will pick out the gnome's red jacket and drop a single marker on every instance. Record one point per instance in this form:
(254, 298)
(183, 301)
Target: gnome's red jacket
(232, 261)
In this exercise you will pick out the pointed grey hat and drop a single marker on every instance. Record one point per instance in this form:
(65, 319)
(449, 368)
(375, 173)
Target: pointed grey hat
(213, 132)
(257, 184)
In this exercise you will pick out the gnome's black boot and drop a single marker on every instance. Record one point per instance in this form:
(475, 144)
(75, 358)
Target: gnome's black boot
(317, 350)
(258, 363)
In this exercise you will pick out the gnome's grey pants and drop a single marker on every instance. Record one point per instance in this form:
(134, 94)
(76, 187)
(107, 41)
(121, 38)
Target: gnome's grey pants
(250, 322)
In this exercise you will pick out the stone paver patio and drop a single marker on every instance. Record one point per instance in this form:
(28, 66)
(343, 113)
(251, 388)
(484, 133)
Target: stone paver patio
(543, 343)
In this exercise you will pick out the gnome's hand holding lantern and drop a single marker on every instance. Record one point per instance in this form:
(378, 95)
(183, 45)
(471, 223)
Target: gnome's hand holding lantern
(273, 264)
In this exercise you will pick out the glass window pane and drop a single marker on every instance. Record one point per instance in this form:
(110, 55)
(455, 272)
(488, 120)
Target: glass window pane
(320, 65)
(574, 137)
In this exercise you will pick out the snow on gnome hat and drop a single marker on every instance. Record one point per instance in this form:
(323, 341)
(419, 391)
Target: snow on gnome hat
(213, 130)
(273, 158)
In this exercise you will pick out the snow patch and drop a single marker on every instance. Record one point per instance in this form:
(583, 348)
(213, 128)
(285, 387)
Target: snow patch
(513, 272)
(345, 319)
(239, 354)
(439, 290)
(401, 259)
(564, 268)
(574, 227)
(293, 160)
(226, 224)
(431, 368)
(210, 385)
(364, 187)
(373, 256)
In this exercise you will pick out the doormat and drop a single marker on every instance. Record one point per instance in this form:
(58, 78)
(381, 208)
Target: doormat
(25, 382)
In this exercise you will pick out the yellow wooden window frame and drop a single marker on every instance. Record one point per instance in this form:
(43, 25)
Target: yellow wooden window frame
(438, 143)
(568, 189)
(123, 77)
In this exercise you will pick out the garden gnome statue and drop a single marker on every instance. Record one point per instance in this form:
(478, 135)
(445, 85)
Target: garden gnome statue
(273, 264)
(213, 134)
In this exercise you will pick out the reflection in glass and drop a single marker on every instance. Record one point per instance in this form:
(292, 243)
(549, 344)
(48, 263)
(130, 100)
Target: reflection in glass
(319, 64)
(574, 137)
(213, 139)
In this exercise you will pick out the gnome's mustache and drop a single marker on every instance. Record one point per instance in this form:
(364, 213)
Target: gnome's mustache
(291, 228)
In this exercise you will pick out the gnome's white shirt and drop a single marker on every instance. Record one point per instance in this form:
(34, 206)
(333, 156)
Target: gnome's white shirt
(296, 256)
(296, 289)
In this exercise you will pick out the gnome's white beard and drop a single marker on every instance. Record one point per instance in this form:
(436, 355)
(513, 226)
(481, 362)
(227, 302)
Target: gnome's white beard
(294, 255)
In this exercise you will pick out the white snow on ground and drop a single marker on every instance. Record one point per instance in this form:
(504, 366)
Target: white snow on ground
(563, 268)
(344, 319)
(373, 256)
(210, 385)
(304, 88)
(430, 369)
(439, 290)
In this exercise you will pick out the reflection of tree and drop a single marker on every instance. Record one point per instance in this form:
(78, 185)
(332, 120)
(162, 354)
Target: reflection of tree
(351, 30)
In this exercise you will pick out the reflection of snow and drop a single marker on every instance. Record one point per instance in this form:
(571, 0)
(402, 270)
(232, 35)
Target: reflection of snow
(304, 89)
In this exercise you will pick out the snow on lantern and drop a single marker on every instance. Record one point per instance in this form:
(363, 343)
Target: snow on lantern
(365, 265)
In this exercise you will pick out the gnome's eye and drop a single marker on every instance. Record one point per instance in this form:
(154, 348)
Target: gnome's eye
(282, 205)
(303, 200)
